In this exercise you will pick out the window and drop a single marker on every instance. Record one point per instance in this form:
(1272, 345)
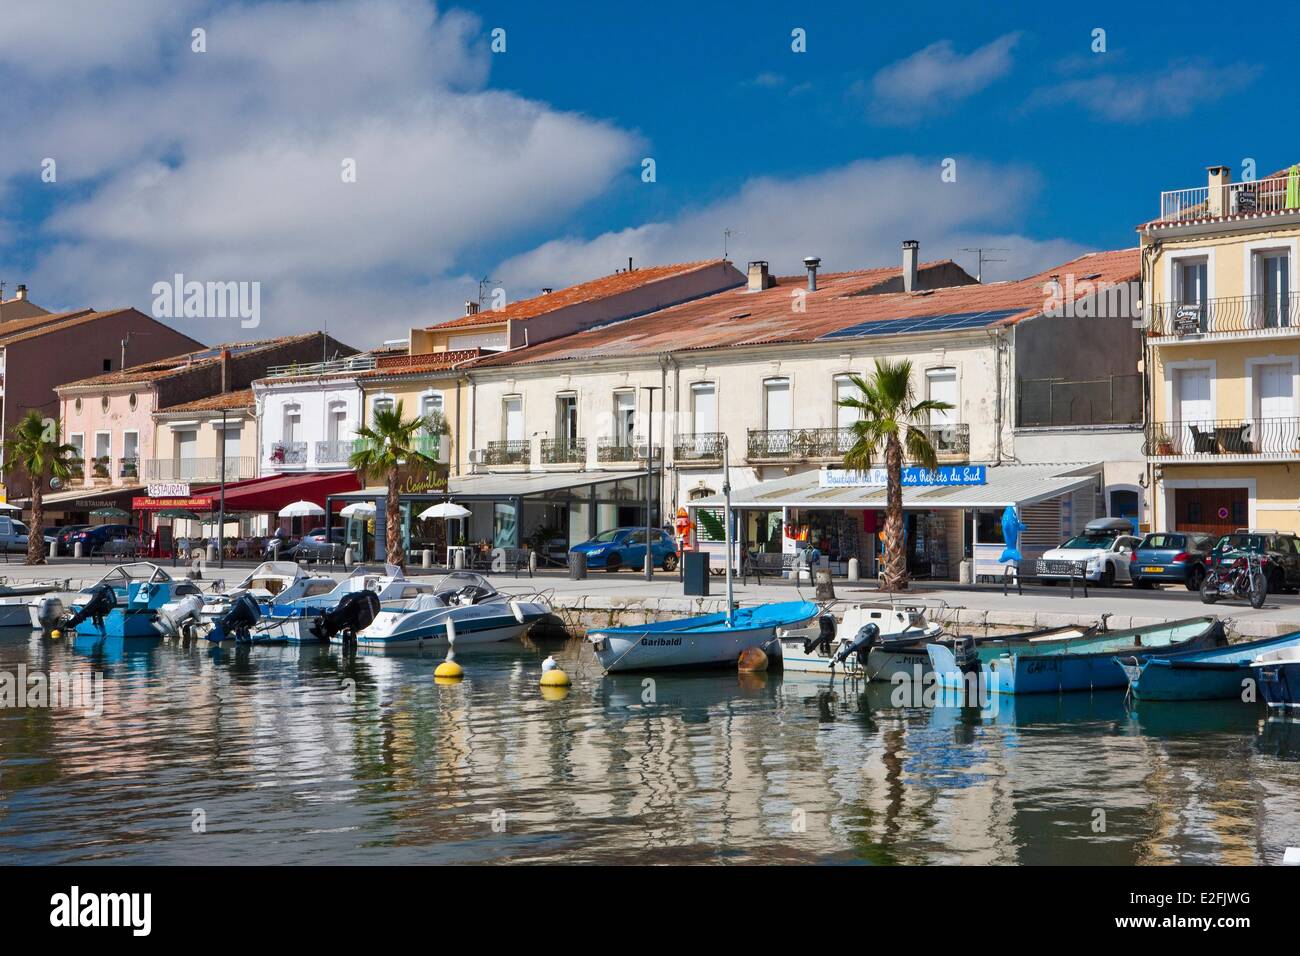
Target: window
(625, 419)
(512, 412)
(704, 407)
(292, 423)
(187, 443)
(230, 443)
(566, 418)
(1191, 285)
(845, 389)
(130, 445)
(78, 441)
(131, 401)
(77, 404)
(108, 365)
(337, 421)
(776, 404)
(1273, 288)
(431, 405)
(103, 444)
(103, 403)
(941, 386)
(384, 403)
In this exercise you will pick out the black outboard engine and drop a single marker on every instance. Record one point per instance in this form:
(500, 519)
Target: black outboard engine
(867, 637)
(102, 600)
(352, 614)
(243, 614)
(825, 635)
(968, 660)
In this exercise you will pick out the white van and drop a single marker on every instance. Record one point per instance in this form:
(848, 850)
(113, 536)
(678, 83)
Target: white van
(13, 534)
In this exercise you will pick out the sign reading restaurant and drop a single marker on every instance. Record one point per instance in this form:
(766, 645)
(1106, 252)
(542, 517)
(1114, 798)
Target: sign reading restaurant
(169, 489)
(913, 477)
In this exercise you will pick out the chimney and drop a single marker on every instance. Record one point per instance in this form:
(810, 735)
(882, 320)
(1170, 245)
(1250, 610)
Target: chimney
(759, 276)
(225, 371)
(547, 291)
(911, 252)
(20, 293)
(811, 263)
(1219, 178)
(471, 308)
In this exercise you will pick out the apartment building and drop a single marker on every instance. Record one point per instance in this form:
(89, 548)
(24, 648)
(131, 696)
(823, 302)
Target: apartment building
(1223, 353)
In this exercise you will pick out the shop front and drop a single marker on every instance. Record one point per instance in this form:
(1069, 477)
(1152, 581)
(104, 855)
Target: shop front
(951, 515)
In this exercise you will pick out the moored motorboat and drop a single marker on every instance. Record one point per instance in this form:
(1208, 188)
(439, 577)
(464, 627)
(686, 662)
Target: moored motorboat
(1214, 674)
(1008, 666)
(464, 604)
(271, 582)
(709, 640)
(123, 603)
(1277, 675)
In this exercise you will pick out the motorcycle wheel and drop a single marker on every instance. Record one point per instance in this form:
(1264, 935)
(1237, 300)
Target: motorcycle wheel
(1210, 588)
(1258, 591)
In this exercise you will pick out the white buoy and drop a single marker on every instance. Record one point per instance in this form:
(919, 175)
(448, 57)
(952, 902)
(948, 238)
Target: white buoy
(552, 676)
(449, 670)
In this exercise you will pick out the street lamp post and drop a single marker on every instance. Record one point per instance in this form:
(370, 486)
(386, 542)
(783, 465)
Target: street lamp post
(649, 481)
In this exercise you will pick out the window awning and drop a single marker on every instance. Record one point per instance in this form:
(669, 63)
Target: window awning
(81, 499)
(270, 493)
(510, 484)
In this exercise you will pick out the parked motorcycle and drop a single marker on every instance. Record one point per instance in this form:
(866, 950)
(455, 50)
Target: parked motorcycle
(1243, 578)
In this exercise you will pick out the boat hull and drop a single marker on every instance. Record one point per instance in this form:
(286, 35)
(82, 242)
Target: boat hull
(488, 623)
(1217, 674)
(1279, 684)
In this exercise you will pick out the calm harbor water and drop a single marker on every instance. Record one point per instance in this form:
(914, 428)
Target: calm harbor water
(316, 755)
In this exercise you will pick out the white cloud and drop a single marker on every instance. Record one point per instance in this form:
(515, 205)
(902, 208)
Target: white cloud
(227, 164)
(1172, 92)
(854, 216)
(936, 78)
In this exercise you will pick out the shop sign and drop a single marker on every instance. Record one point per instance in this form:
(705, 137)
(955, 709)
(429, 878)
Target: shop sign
(196, 503)
(912, 477)
(168, 489)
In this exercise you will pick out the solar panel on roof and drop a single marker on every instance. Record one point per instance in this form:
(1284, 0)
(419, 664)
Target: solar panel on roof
(924, 323)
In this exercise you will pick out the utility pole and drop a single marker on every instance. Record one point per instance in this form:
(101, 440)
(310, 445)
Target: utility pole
(221, 508)
(980, 259)
(649, 482)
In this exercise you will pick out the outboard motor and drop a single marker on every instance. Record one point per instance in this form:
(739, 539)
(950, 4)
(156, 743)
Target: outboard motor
(867, 637)
(968, 663)
(352, 614)
(173, 621)
(825, 635)
(102, 600)
(48, 613)
(238, 621)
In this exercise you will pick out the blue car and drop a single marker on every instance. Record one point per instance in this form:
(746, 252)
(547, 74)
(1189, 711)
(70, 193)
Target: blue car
(1177, 556)
(625, 547)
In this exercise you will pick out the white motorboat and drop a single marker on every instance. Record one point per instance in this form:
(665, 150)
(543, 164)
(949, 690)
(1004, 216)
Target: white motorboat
(295, 622)
(903, 630)
(462, 604)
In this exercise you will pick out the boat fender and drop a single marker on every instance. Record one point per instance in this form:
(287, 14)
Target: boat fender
(517, 611)
(825, 635)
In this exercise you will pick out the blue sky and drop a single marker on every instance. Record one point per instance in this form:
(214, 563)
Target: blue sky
(525, 166)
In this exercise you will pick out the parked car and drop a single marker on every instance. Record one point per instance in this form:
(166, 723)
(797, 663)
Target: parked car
(94, 537)
(1177, 556)
(1104, 547)
(625, 547)
(13, 534)
(64, 534)
(1279, 555)
(318, 544)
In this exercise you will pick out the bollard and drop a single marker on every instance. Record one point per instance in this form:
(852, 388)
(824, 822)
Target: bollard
(212, 552)
(77, 549)
(347, 557)
(54, 548)
(532, 563)
(577, 565)
(825, 590)
(275, 549)
(426, 558)
(854, 571)
(460, 559)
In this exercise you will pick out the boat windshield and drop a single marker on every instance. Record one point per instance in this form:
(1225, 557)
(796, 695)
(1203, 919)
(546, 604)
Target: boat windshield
(136, 571)
(460, 579)
(270, 569)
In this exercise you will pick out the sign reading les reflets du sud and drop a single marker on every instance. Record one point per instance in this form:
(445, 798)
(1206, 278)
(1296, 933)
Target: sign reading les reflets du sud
(913, 477)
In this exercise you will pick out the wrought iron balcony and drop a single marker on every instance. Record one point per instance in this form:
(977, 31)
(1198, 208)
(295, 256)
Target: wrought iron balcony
(511, 452)
(1261, 314)
(704, 446)
(238, 467)
(1231, 437)
(289, 453)
(564, 451)
(337, 451)
(610, 450)
(431, 445)
(951, 443)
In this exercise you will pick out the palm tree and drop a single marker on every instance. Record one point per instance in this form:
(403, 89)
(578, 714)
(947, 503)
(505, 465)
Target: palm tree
(890, 420)
(37, 450)
(387, 444)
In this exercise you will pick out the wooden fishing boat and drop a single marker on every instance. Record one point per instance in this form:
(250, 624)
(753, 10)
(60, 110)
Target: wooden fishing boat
(1216, 674)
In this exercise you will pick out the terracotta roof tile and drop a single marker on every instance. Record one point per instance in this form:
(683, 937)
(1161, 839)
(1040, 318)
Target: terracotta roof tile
(590, 291)
(739, 318)
(226, 400)
(163, 368)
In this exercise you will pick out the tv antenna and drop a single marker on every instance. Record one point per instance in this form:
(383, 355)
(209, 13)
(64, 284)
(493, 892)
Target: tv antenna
(726, 235)
(483, 285)
(980, 259)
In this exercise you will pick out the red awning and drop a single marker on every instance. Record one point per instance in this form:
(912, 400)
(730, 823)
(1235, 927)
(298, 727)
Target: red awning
(272, 492)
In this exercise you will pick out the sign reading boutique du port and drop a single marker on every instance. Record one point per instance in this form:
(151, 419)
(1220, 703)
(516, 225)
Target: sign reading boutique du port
(913, 477)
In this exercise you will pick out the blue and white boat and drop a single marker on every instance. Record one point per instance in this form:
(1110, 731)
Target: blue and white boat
(1277, 675)
(711, 640)
(1216, 674)
(463, 605)
(294, 621)
(123, 603)
(1083, 663)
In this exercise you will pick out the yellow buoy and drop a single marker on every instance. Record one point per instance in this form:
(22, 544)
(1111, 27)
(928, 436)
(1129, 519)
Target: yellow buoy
(449, 670)
(552, 676)
(56, 634)
(554, 693)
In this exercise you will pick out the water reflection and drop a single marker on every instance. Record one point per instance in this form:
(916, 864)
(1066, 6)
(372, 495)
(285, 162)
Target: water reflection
(320, 754)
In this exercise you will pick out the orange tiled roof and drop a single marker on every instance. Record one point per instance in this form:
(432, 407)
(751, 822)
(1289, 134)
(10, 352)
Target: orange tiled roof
(176, 364)
(214, 403)
(590, 291)
(388, 365)
(741, 318)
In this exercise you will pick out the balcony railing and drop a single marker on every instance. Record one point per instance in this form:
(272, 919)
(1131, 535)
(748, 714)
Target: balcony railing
(1244, 313)
(511, 452)
(1267, 437)
(129, 467)
(611, 450)
(289, 453)
(1230, 199)
(703, 446)
(430, 445)
(805, 444)
(564, 451)
(336, 451)
(356, 363)
(238, 467)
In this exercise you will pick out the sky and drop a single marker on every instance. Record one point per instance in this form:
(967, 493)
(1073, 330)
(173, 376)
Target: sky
(368, 162)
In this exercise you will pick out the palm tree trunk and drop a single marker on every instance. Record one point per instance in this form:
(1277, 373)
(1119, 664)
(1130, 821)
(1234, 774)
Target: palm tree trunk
(35, 536)
(392, 511)
(895, 576)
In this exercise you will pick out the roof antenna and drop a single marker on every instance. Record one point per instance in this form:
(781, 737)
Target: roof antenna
(727, 234)
(981, 259)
